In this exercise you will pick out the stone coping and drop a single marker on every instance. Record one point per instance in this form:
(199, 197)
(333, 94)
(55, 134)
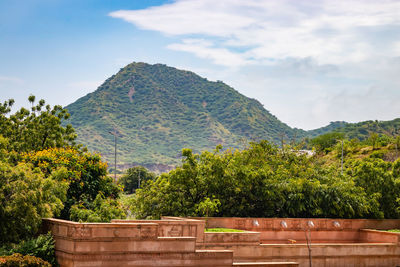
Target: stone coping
(91, 224)
(269, 263)
(329, 244)
(381, 231)
(180, 218)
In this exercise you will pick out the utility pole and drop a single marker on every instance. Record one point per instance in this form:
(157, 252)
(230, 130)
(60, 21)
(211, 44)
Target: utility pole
(342, 158)
(139, 180)
(115, 153)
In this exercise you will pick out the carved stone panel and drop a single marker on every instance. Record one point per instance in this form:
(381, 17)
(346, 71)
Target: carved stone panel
(147, 233)
(175, 231)
(79, 232)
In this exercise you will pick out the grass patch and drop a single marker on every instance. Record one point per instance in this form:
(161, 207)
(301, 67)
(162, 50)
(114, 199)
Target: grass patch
(223, 230)
(393, 230)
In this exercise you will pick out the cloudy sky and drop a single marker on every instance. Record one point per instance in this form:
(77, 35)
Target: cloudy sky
(308, 62)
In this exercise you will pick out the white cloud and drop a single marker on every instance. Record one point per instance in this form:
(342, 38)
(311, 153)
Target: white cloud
(205, 49)
(325, 30)
(308, 62)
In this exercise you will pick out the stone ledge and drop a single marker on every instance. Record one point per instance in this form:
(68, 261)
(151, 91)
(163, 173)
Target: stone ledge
(266, 264)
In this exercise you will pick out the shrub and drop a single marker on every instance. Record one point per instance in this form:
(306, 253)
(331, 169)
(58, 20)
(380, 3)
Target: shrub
(101, 210)
(17, 260)
(41, 247)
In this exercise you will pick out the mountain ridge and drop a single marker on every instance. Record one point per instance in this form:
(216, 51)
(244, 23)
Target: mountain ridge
(157, 110)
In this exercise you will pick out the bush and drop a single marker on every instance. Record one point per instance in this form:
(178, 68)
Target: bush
(41, 247)
(101, 210)
(326, 142)
(17, 260)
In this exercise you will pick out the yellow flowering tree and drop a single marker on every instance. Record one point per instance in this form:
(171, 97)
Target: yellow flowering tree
(86, 173)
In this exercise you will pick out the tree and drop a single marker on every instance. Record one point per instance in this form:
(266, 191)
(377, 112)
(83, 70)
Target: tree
(130, 180)
(37, 129)
(325, 143)
(379, 180)
(100, 210)
(260, 181)
(26, 197)
(86, 173)
(373, 140)
(207, 208)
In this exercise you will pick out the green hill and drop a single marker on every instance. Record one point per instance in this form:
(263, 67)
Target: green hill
(326, 129)
(362, 130)
(157, 110)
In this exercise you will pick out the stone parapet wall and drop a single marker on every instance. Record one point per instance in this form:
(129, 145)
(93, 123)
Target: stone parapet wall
(234, 238)
(268, 224)
(292, 230)
(127, 244)
(375, 236)
(175, 227)
(355, 254)
(182, 242)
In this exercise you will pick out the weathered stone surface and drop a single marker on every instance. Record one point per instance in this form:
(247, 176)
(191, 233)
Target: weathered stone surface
(265, 242)
(131, 244)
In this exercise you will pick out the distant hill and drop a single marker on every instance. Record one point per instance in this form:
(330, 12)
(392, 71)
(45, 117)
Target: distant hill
(329, 128)
(362, 130)
(157, 110)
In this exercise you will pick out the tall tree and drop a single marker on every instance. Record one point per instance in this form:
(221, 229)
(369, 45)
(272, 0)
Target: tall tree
(36, 129)
(134, 177)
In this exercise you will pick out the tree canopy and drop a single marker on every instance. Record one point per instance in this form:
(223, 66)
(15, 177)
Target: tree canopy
(35, 129)
(135, 176)
(261, 181)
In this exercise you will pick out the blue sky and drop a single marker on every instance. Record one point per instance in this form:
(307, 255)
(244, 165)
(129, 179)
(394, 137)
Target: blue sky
(308, 62)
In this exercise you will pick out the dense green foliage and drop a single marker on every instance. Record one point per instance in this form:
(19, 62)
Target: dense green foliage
(37, 129)
(41, 247)
(373, 164)
(25, 197)
(100, 210)
(261, 181)
(18, 260)
(130, 180)
(43, 174)
(381, 180)
(84, 171)
(157, 110)
(325, 143)
(363, 130)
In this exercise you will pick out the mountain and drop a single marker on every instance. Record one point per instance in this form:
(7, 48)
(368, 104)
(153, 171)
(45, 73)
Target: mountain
(157, 110)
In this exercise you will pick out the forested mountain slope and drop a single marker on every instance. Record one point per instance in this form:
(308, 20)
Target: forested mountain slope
(157, 110)
(362, 130)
